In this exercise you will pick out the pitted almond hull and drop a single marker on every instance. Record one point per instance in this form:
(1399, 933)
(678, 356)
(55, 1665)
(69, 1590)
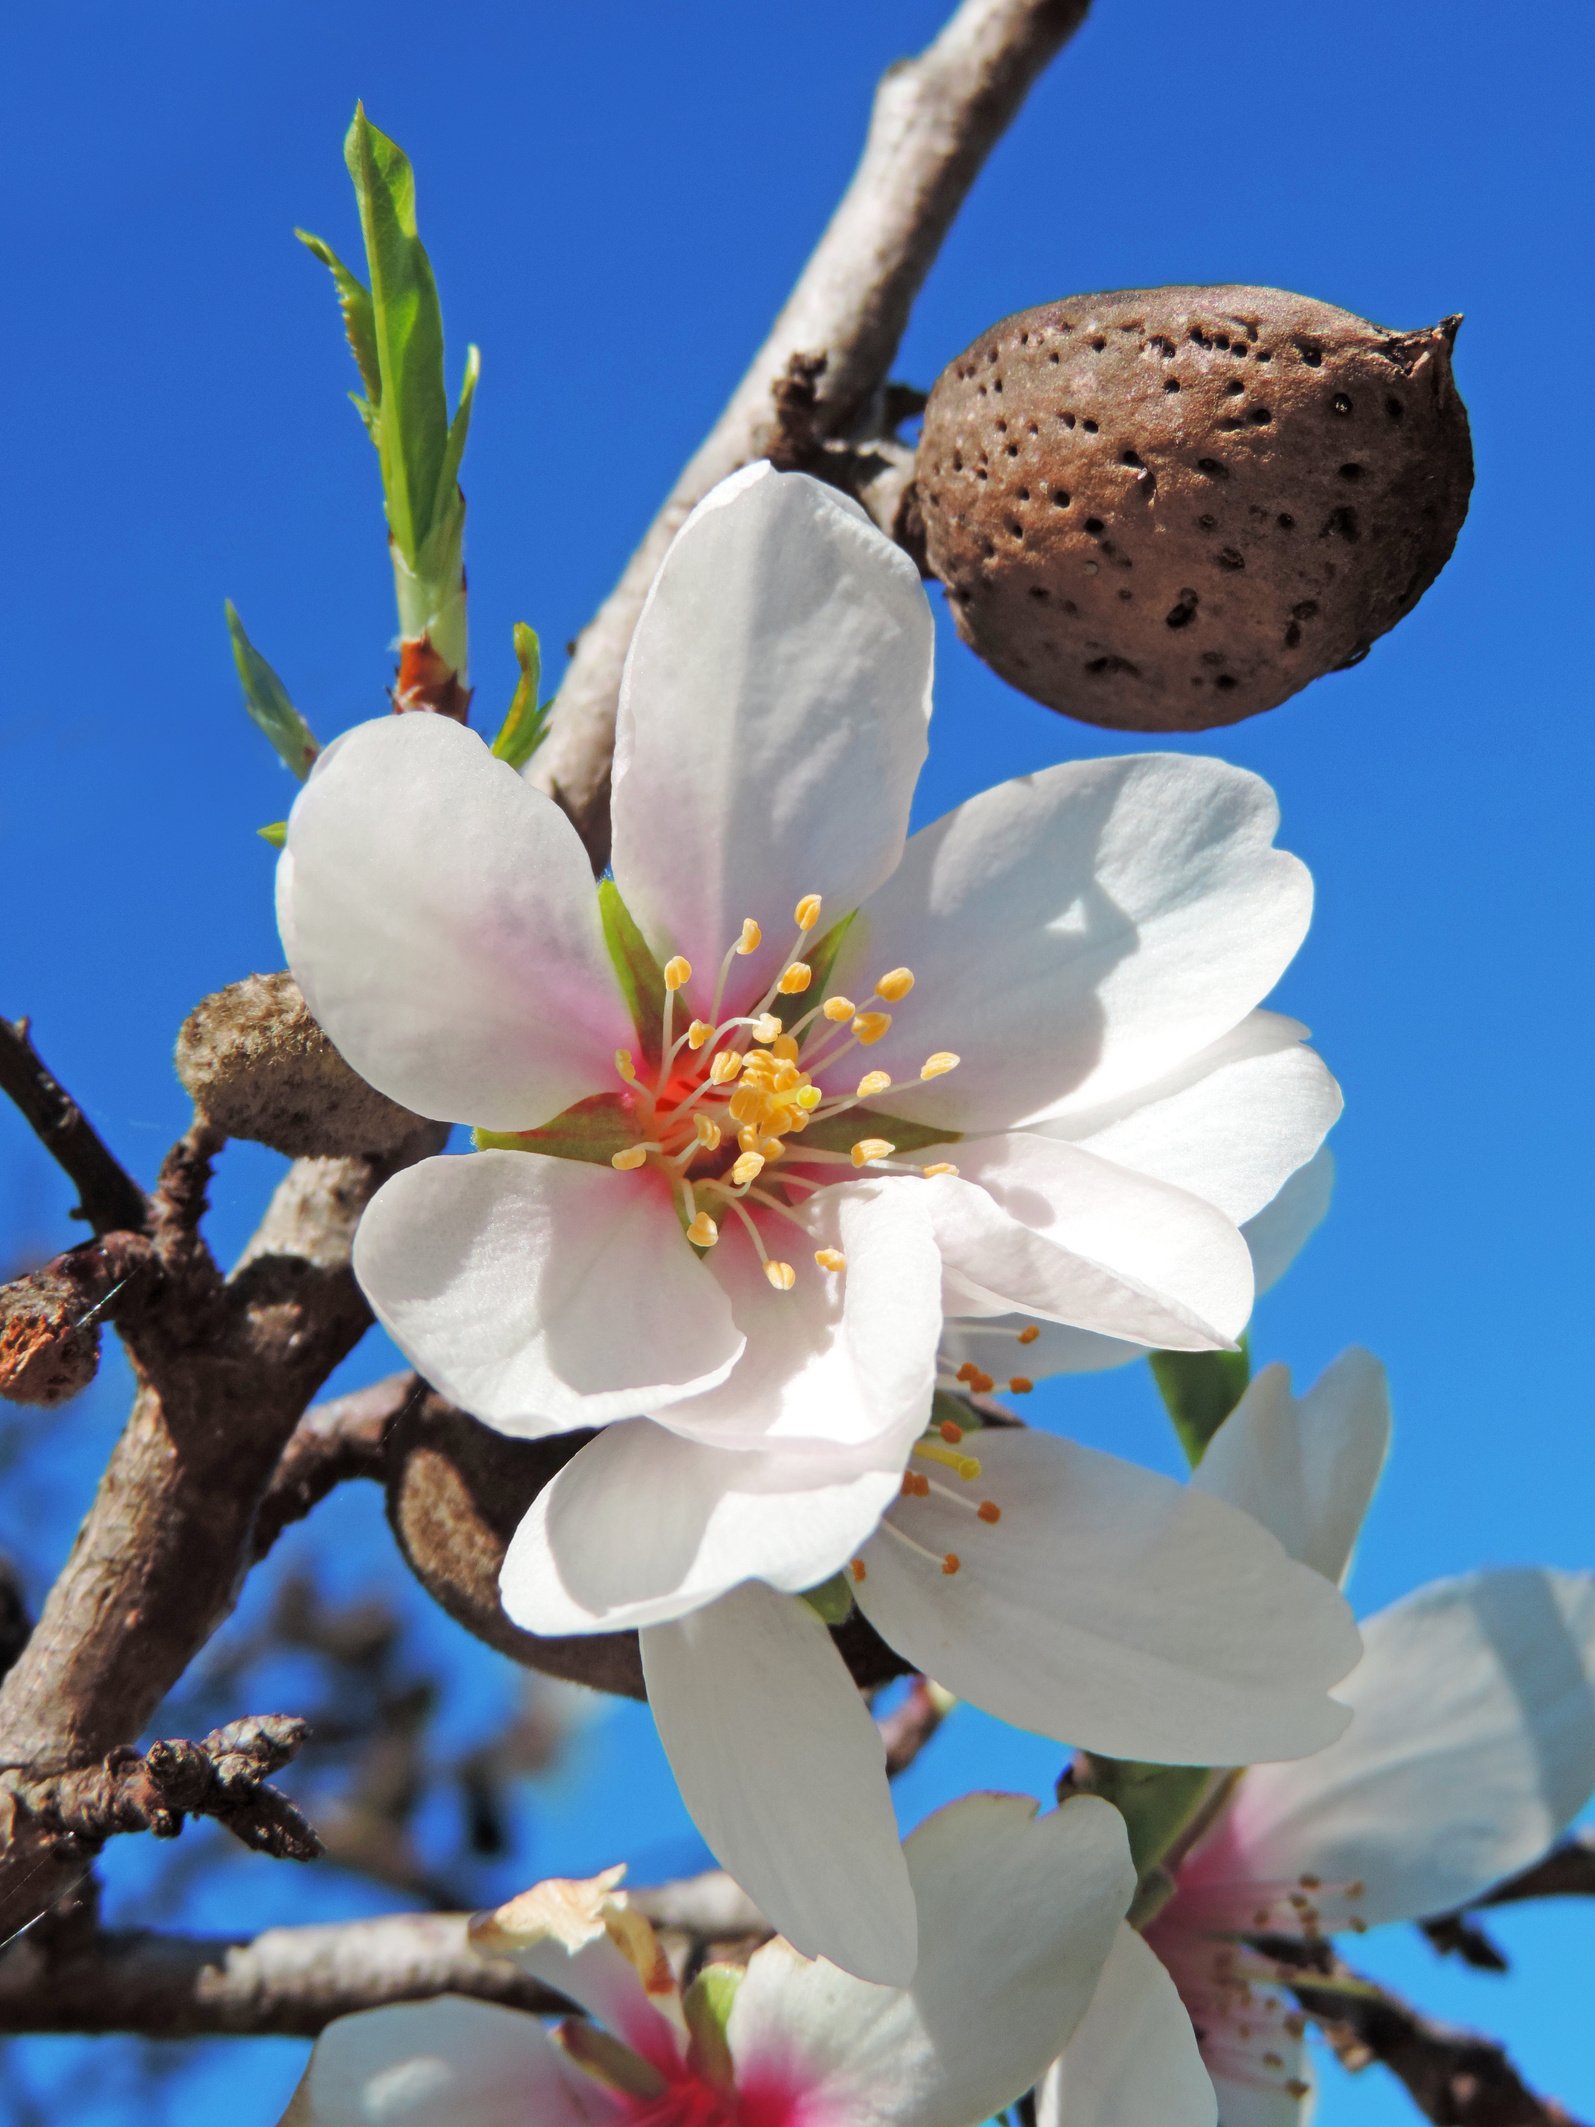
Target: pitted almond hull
(1171, 508)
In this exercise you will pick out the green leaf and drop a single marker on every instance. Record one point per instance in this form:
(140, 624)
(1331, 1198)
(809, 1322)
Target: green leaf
(407, 335)
(266, 699)
(526, 726)
(1199, 1390)
(840, 1133)
(706, 2005)
(276, 833)
(595, 1129)
(641, 978)
(459, 429)
(832, 1600)
(354, 300)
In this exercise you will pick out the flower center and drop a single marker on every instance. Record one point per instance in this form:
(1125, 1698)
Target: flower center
(733, 1094)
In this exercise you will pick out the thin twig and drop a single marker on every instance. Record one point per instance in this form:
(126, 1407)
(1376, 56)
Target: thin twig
(333, 1444)
(108, 1196)
(936, 119)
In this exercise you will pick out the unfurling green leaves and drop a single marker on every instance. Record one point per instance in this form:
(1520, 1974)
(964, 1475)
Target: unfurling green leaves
(526, 726)
(266, 699)
(395, 329)
(1199, 1390)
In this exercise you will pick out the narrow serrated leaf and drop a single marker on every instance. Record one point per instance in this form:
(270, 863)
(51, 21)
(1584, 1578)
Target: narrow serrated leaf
(354, 300)
(407, 330)
(641, 978)
(266, 699)
(526, 725)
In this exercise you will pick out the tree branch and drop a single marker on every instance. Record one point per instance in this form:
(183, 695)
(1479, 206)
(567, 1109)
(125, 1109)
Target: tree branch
(332, 1444)
(108, 1197)
(936, 119)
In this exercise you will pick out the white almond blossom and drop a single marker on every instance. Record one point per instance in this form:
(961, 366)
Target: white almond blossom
(843, 1078)
(1019, 1912)
(703, 1218)
(1470, 1750)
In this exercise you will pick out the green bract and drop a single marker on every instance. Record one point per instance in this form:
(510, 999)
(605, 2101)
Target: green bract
(266, 699)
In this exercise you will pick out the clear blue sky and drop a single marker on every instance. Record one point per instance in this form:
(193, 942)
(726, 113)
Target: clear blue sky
(616, 198)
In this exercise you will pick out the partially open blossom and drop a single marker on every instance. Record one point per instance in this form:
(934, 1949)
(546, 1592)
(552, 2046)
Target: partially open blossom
(794, 1083)
(1470, 1749)
(1018, 1914)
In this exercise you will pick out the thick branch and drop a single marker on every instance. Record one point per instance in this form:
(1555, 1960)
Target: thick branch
(935, 121)
(108, 1197)
(1567, 1871)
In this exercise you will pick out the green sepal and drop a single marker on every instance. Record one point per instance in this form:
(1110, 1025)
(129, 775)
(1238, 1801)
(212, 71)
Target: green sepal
(1199, 1390)
(840, 1133)
(1157, 1802)
(266, 699)
(641, 978)
(832, 1600)
(526, 726)
(354, 301)
(276, 833)
(706, 2005)
(593, 1130)
(945, 1407)
(821, 957)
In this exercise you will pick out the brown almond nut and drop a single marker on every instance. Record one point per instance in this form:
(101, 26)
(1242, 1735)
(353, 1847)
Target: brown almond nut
(457, 1492)
(256, 1065)
(1170, 508)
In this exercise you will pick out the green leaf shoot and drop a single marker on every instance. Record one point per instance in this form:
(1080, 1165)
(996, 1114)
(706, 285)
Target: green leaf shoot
(354, 300)
(275, 832)
(266, 699)
(526, 725)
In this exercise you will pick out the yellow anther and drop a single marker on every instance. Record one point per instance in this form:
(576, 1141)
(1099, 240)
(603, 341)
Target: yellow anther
(796, 1122)
(809, 1097)
(747, 1169)
(772, 1148)
(677, 972)
(938, 1167)
(781, 1275)
(751, 939)
(766, 1028)
(746, 1105)
(625, 1066)
(967, 1466)
(725, 1067)
(698, 1033)
(787, 1077)
(873, 1082)
(807, 912)
(870, 1026)
(707, 1130)
(895, 985)
(940, 1064)
(703, 1232)
(830, 1258)
(749, 1136)
(633, 1156)
(784, 1048)
(836, 1009)
(872, 1148)
(796, 979)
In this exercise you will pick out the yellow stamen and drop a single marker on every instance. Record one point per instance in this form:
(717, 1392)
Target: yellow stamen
(746, 1105)
(940, 1064)
(868, 1027)
(869, 1149)
(703, 1232)
(836, 1009)
(698, 1033)
(784, 1048)
(830, 1258)
(633, 1156)
(781, 1275)
(809, 1097)
(752, 938)
(772, 1148)
(747, 1169)
(677, 972)
(766, 1028)
(708, 1131)
(873, 1082)
(725, 1067)
(895, 986)
(625, 1066)
(938, 1167)
(796, 979)
(967, 1466)
(807, 912)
